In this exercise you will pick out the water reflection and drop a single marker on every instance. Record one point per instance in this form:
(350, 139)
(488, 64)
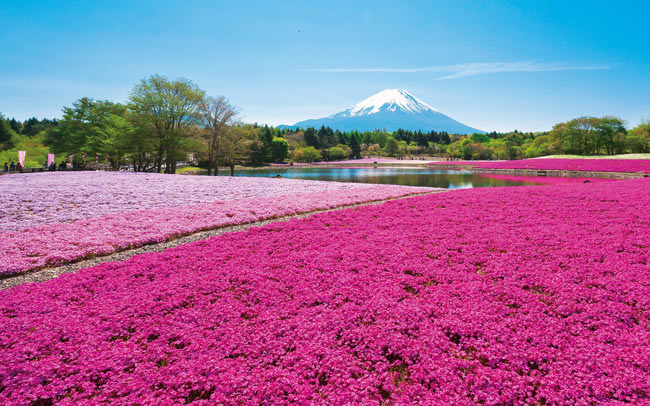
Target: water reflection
(394, 176)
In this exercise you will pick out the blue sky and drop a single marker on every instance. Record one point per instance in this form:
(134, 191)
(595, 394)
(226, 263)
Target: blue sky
(492, 65)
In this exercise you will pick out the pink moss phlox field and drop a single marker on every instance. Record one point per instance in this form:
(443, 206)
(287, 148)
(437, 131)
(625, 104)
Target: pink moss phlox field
(544, 180)
(366, 161)
(45, 198)
(558, 164)
(344, 162)
(493, 296)
(56, 244)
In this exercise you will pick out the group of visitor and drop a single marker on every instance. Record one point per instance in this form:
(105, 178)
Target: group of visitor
(17, 167)
(11, 168)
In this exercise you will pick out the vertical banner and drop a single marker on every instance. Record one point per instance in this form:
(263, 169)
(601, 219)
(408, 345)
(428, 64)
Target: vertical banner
(50, 159)
(21, 158)
(190, 156)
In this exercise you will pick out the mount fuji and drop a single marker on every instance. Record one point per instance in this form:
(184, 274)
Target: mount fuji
(390, 110)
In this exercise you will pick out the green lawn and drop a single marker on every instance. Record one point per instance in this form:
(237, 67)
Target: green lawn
(621, 156)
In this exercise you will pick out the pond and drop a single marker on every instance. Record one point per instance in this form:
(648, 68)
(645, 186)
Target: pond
(395, 176)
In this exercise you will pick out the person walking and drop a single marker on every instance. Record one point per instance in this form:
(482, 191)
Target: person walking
(12, 167)
(5, 169)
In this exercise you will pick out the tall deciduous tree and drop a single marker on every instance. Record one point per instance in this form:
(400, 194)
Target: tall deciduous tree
(611, 134)
(94, 128)
(639, 138)
(589, 136)
(216, 116)
(169, 109)
(577, 136)
(233, 146)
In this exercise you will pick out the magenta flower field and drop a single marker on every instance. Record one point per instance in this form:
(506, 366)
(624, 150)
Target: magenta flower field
(54, 218)
(582, 165)
(544, 180)
(495, 296)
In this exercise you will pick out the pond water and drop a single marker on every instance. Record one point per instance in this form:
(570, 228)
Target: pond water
(395, 176)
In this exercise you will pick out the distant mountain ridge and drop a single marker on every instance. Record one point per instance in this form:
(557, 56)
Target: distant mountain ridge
(389, 109)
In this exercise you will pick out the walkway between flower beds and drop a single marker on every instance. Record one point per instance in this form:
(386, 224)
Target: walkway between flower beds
(8, 281)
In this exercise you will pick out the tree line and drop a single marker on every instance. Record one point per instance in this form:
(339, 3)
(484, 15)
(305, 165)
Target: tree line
(580, 136)
(164, 120)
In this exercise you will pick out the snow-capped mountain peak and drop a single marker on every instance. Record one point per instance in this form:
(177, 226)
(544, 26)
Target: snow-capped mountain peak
(389, 110)
(388, 100)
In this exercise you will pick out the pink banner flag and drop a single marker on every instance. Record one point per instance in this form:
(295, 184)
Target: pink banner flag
(21, 158)
(50, 159)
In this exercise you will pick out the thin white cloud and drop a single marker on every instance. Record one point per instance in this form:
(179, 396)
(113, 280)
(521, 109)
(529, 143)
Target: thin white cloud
(471, 69)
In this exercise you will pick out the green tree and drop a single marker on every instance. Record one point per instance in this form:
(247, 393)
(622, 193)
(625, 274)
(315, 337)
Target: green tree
(92, 127)
(30, 127)
(15, 125)
(392, 147)
(476, 151)
(374, 150)
(266, 136)
(611, 134)
(455, 150)
(233, 146)
(638, 140)
(479, 137)
(255, 152)
(635, 144)
(139, 145)
(578, 136)
(6, 135)
(168, 109)
(539, 146)
(311, 138)
(355, 146)
(217, 117)
(336, 153)
(326, 137)
(279, 149)
(307, 154)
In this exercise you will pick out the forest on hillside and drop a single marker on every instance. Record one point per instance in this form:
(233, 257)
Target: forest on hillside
(165, 121)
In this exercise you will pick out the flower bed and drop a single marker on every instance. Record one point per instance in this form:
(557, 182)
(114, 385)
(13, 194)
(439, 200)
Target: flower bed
(512, 296)
(56, 218)
(559, 164)
(46, 198)
(371, 161)
(544, 180)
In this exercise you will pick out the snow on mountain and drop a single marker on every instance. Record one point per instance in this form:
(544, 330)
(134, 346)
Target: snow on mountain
(390, 110)
(388, 100)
